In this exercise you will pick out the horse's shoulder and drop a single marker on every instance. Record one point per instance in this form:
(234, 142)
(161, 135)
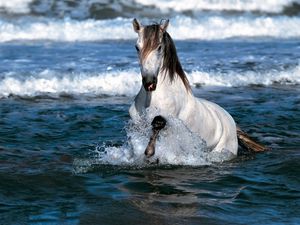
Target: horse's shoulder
(214, 109)
(210, 105)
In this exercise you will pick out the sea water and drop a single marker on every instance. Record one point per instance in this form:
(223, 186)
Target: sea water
(69, 153)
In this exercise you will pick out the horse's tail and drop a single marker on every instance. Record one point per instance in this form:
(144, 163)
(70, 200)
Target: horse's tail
(246, 142)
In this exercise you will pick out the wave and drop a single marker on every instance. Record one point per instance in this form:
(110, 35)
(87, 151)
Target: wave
(274, 6)
(85, 9)
(128, 83)
(181, 27)
(15, 6)
(65, 30)
(234, 79)
(49, 82)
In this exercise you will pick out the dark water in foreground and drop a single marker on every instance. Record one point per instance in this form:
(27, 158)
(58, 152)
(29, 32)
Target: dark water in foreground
(40, 138)
(42, 135)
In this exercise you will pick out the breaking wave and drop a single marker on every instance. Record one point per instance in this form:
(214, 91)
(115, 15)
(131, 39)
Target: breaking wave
(85, 9)
(181, 27)
(89, 20)
(128, 83)
(235, 79)
(275, 6)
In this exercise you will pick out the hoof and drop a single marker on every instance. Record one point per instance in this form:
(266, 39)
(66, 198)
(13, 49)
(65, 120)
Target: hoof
(154, 162)
(158, 123)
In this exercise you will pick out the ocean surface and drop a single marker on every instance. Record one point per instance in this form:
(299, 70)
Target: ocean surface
(68, 75)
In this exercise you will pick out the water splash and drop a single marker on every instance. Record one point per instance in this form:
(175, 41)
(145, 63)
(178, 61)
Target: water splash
(176, 145)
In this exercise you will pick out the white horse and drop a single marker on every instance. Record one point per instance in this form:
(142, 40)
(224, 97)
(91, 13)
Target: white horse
(166, 88)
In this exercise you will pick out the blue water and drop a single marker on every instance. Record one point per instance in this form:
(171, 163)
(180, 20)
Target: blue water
(63, 103)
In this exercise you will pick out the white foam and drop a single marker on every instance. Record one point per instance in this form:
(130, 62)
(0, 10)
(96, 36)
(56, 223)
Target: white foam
(128, 82)
(65, 30)
(218, 27)
(220, 5)
(15, 6)
(181, 27)
(82, 8)
(234, 79)
(49, 82)
(176, 145)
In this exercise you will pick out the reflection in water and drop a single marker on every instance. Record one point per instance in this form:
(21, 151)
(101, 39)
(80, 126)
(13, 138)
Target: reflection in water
(178, 192)
(195, 195)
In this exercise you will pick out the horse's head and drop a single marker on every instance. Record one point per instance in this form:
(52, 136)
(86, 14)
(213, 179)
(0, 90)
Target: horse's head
(150, 48)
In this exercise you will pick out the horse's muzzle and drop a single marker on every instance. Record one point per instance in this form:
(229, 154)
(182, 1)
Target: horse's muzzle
(149, 83)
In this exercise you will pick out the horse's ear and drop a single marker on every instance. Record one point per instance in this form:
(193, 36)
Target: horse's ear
(164, 25)
(136, 25)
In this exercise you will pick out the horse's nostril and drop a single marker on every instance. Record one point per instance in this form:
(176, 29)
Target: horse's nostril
(149, 83)
(150, 86)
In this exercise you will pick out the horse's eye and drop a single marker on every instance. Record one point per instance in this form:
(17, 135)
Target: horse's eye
(137, 48)
(159, 48)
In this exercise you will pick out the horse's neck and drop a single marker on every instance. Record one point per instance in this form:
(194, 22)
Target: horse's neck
(167, 88)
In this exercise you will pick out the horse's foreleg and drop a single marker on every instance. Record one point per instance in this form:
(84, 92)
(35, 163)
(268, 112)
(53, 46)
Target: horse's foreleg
(158, 123)
(150, 150)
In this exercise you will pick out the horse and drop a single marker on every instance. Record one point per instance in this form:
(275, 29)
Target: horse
(166, 88)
